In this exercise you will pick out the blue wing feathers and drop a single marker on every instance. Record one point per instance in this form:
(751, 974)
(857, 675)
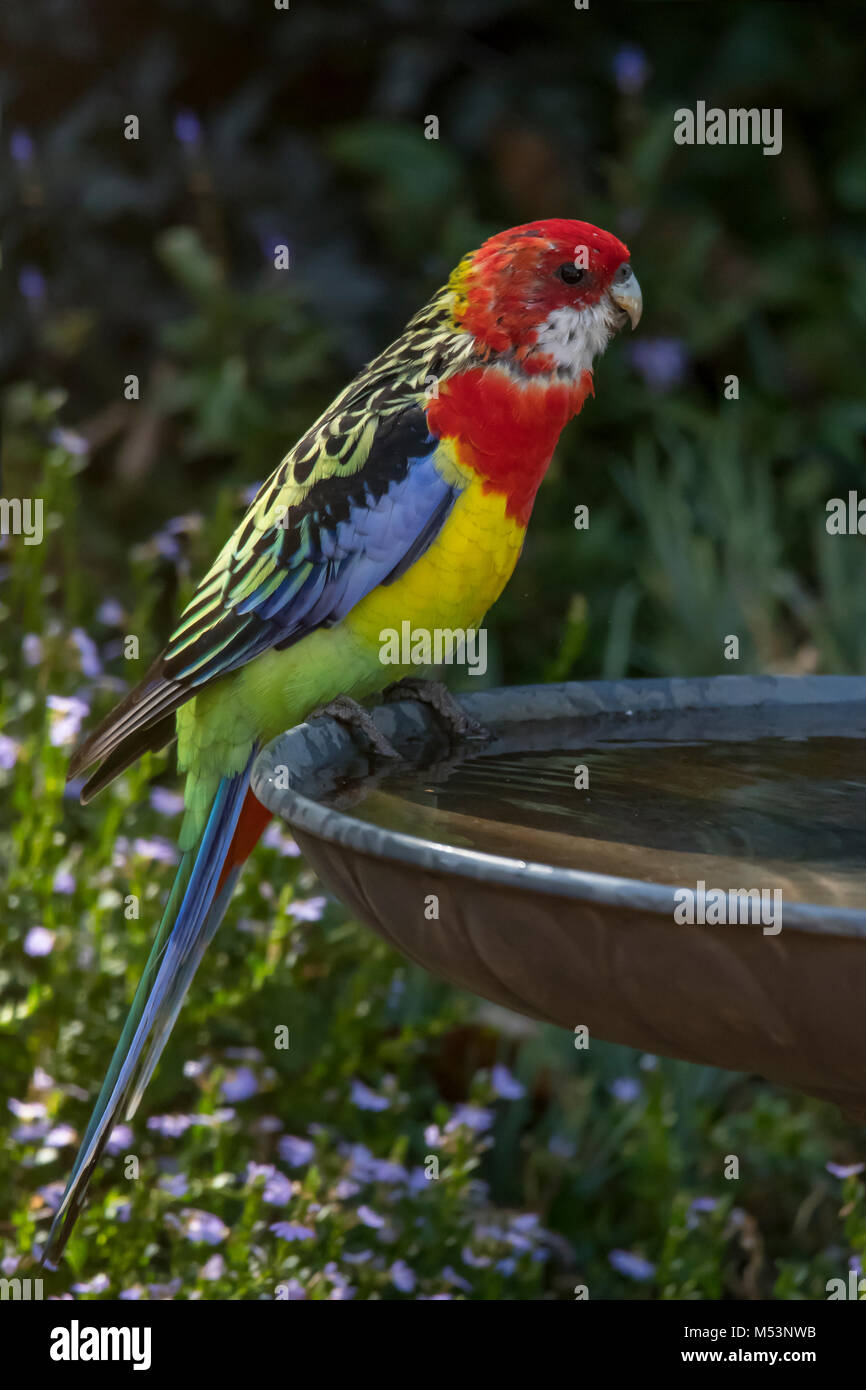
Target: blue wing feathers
(335, 564)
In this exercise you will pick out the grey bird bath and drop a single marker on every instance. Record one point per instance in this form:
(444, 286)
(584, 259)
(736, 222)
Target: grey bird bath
(556, 855)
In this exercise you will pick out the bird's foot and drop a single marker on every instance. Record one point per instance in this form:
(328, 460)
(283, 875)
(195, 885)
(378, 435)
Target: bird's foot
(442, 702)
(354, 717)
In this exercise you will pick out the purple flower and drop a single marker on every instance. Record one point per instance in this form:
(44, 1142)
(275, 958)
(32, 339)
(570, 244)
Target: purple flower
(335, 1276)
(163, 1292)
(70, 441)
(278, 1189)
(214, 1269)
(9, 751)
(357, 1257)
(469, 1257)
(30, 1134)
(365, 1099)
(98, 1284)
(110, 613)
(66, 714)
(662, 362)
(630, 68)
(187, 127)
(8, 1265)
(31, 283)
(21, 146)
(175, 1184)
(277, 1186)
(276, 838)
(633, 1266)
(524, 1221)
(156, 849)
(402, 1277)
(132, 1294)
(61, 1136)
(166, 802)
(625, 1089)
(699, 1207)
(204, 1226)
(506, 1086)
(27, 1109)
(310, 910)
(39, 941)
(51, 1194)
(167, 545)
(119, 1140)
(294, 1151)
(370, 1218)
(452, 1277)
(845, 1170)
(220, 1116)
(366, 1168)
(31, 647)
(63, 882)
(120, 852)
(474, 1117)
(88, 655)
(239, 1084)
(295, 1291)
(292, 1230)
(190, 523)
(173, 1126)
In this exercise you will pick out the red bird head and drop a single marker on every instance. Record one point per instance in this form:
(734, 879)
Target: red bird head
(549, 295)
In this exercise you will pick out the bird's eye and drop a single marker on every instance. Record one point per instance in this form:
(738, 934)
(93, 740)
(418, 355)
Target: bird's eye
(570, 274)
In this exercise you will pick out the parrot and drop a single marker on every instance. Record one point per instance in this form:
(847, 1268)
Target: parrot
(409, 497)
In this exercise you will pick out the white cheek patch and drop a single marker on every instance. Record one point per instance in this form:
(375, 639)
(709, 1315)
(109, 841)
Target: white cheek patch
(574, 337)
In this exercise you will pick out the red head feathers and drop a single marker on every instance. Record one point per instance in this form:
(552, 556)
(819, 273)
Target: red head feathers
(549, 294)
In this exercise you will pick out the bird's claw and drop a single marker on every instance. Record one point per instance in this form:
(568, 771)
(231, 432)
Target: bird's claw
(354, 717)
(442, 702)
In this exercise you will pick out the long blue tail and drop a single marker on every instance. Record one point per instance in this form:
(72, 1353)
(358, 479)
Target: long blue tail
(196, 906)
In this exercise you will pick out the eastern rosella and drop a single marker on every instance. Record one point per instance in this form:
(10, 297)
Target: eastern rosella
(408, 498)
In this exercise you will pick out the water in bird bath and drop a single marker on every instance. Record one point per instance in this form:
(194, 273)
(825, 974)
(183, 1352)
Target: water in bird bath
(786, 813)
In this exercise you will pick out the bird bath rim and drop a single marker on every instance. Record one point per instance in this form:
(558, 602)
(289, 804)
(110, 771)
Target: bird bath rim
(322, 754)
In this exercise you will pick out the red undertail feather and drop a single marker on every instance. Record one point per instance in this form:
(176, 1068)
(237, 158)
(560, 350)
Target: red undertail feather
(251, 823)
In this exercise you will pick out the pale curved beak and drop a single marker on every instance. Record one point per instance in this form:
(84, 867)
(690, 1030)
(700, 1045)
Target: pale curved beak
(626, 295)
